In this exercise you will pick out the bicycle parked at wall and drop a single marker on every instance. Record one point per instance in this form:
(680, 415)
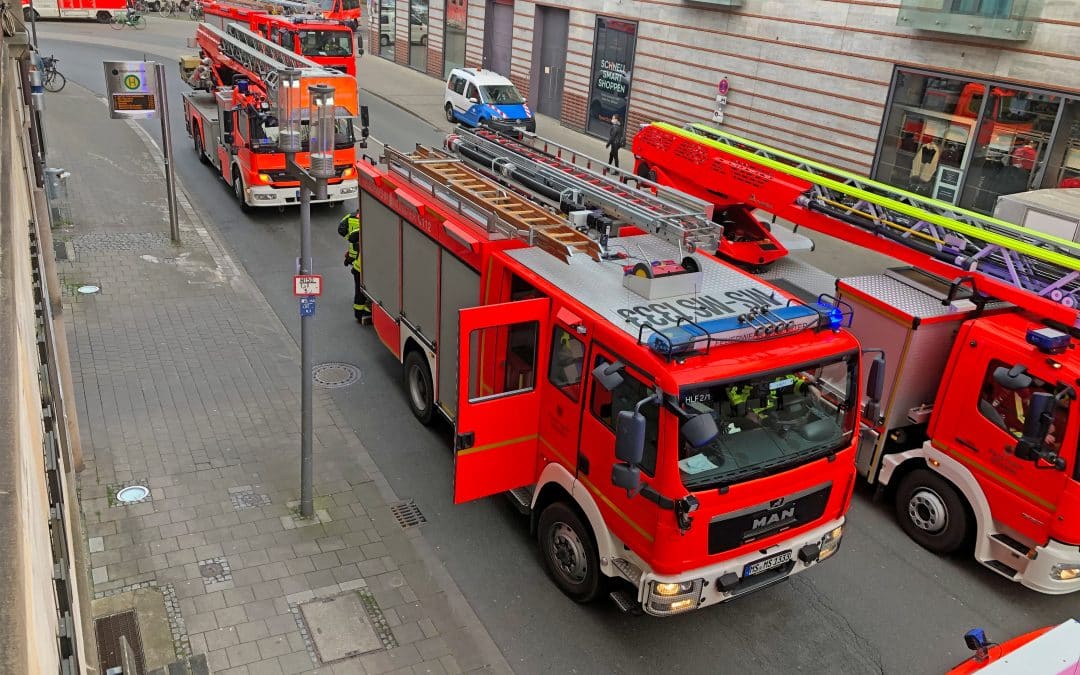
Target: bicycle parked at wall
(195, 12)
(132, 19)
(7, 20)
(169, 8)
(51, 78)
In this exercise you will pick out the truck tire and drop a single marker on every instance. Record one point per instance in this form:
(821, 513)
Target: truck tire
(932, 512)
(419, 388)
(238, 190)
(200, 147)
(104, 17)
(569, 552)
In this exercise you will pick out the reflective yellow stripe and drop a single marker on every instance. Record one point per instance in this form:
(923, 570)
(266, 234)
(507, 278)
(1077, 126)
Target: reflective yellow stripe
(592, 488)
(973, 463)
(498, 444)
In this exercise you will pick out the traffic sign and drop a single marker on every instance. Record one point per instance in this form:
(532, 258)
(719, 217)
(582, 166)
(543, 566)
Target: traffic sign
(132, 89)
(307, 306)
(307, 284)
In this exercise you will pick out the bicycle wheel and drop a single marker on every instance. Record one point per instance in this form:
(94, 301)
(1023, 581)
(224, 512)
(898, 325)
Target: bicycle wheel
(140, 23)
(54, 81)
(118, 24)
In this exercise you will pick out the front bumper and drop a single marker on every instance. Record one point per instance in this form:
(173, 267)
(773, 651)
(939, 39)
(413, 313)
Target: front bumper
(725, 581)
(511, 126)
(268, 195)
(1037, 574)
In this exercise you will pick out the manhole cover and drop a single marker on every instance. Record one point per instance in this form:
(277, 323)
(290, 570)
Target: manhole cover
(408, 514)
(88, 289)
(339, 627)
(335, 375)
(134, 493)
(251, 499)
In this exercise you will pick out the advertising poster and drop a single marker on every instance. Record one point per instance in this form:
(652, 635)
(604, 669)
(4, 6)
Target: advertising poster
(613, 61)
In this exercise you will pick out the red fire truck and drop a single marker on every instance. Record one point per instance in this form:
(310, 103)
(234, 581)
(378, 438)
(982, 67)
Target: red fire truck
(347, 11)
(327, 42)
(102, 10)
(232, 118)
(976, 436)
(666, 419)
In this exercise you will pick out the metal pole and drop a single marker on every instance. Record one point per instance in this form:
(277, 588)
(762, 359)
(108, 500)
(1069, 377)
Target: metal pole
(307, 509)
(166, 142)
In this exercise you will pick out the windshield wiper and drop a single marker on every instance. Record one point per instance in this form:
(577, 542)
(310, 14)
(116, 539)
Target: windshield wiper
(763, 469)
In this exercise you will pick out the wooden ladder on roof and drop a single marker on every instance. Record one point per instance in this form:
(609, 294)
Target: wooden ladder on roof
(527, 221)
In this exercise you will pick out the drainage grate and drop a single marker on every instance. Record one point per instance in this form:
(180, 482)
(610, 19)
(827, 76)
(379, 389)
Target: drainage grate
(109, 630)
(121, 241)
(214, 571)
(408, 514)
(335, 375)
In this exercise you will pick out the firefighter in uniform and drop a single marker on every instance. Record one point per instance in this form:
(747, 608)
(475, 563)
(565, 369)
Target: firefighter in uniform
(349, 228)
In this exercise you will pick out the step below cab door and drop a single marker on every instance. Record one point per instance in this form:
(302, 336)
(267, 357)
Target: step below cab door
(500, 359)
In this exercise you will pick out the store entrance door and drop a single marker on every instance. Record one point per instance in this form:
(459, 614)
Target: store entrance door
(498, 35)
(549, 52)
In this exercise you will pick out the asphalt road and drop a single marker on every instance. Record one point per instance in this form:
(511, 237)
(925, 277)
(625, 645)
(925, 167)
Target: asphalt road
(881, 605)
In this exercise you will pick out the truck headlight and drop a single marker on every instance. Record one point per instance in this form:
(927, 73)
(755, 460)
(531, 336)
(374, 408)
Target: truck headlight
(264, 178)
(1065, 571)
(671, 598)
(830, 542)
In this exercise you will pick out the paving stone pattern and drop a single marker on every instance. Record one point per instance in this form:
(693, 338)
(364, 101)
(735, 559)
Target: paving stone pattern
(187, 382)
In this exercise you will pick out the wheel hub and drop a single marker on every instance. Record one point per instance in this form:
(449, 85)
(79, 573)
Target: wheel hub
(927, 511)
(418, 388)
(569, 553)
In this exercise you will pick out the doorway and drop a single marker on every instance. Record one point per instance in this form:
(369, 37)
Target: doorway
(549, 55)
(499, 36)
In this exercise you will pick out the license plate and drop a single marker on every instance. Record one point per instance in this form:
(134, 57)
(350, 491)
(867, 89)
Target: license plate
(766, 564)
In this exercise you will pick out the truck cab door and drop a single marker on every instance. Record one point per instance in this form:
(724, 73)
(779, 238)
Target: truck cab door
(984, 433)
(502, 354)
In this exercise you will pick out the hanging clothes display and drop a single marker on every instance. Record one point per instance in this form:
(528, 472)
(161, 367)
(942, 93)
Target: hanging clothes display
(925, 163)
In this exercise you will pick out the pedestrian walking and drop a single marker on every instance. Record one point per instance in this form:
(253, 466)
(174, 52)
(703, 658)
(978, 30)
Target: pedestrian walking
(615, 141)
(349, 228)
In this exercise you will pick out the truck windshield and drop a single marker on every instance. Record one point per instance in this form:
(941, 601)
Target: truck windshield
(265, 131)
(501, 94)
(771, 422)
(326, 43)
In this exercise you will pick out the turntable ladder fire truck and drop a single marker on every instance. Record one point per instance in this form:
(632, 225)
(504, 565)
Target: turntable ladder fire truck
(977, 432)
(735, 404)
(231, 115)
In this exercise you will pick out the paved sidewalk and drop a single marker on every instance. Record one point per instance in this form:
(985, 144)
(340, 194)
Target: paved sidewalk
(188, 383)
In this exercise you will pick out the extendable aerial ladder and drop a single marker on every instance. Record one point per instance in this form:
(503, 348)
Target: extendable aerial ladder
(249, 54)
(568, 178)
(1027, 268)
(501, 212)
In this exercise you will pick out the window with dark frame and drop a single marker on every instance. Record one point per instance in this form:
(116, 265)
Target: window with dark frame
(606, 405)
(567, 362)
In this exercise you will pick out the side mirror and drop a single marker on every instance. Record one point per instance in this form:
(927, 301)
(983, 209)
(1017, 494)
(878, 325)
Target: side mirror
(627, 477)
(1013, 378)
(1035, 426)
(608, 376)
(365, 121)
(473, 99)
(359, 45)
(630, 436)
(699, 430)
(875, 381)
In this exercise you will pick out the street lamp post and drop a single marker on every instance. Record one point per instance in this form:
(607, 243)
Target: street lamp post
(312, 180)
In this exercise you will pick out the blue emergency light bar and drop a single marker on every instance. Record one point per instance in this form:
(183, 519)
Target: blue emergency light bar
(1048, 340)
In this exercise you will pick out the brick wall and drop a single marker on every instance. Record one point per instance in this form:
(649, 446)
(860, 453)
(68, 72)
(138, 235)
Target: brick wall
(435, 63)
(574, 108)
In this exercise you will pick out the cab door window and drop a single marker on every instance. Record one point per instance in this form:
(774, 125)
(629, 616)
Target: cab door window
(471, 93)
(503, 360)
(1008, 408)
(606, 405)
(567, 363)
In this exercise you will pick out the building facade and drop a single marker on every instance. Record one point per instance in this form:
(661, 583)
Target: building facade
(895, 89)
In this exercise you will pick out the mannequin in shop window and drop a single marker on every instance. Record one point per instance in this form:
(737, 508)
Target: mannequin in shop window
(925, 163)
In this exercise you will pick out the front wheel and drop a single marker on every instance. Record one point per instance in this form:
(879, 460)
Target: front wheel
(420, 389)
(238, 190)
(104, 17)
(118, 24)
(450, 113)
(140, 23)
(569, 552)
(931, 512)
(54, 81)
